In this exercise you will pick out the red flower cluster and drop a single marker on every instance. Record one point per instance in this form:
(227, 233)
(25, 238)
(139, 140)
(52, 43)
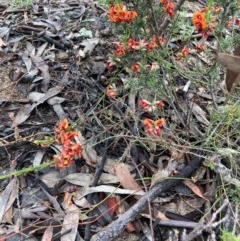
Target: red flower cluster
(133, 45)
(69, 149)
(233, 23)
(118, 13)
(169, 6)
(153, 127)
(143, 44)
(135, 67)
(110, 63)
(199, 21)
(200, 47)
(184, 52)
(150, 107)
(119, 49)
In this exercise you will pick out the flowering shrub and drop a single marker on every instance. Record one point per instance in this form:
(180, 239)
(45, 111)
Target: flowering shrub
(206, 20)
(69, 149)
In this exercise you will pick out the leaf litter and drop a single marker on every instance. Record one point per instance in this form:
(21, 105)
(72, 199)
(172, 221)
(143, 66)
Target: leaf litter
(56, 61)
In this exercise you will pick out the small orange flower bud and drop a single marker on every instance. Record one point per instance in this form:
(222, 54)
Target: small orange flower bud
(63, 125)
(153, 127)
(135, 67)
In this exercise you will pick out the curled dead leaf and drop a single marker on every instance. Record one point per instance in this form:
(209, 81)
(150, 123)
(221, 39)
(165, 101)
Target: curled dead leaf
(232, 62)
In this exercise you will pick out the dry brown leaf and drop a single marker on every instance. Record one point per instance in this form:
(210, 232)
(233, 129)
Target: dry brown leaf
(9, 208)
(5, 195)
(160, 216)
(125, 177)
(2, 43)
(185, 206)
(89, 44)
(86, 179)
(83, 191)
(195, 189)
(40, 64)
(199, 113)
(48, 234)
(112, 204)
(24, 112)
(130, 227)
(88, 153)
(70, 222)
(232, 62)
(82, 202)
(8, 215)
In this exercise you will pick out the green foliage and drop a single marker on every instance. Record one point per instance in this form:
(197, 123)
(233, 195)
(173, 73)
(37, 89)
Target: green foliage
(21, 3)
(227, 236)
(224, 123)
(233, 194)
(25, 170)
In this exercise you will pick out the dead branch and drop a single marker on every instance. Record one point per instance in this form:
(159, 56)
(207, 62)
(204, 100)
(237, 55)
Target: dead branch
(211, 224)
(115, 228)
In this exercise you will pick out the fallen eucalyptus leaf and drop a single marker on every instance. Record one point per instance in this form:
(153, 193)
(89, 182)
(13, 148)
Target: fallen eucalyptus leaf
(81, 192)
(85, 179)
(26, 110)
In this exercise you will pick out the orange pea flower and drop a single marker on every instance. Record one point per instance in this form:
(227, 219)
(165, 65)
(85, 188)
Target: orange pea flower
(164, 1)
(162, 40)
(135, 67)
(119, 49)
(130, 16)
(111, 91)
(132, 44)
(144, 104)
(65, 136)
(169, 9)
(159, 103)
(63, 125)
(150, 107)
(185, 51)
(110, 63)
(62, 162)
(153, 127)
(199, 21)
(200, 47)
